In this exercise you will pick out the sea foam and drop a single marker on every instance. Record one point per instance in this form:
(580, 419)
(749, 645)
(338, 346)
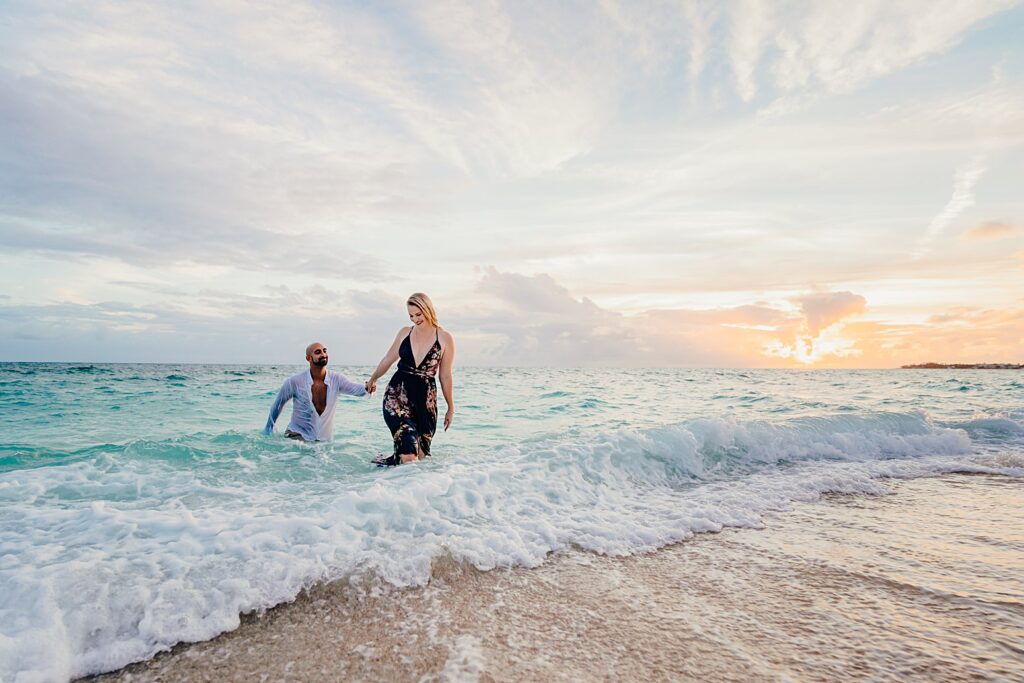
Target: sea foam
(113, 557)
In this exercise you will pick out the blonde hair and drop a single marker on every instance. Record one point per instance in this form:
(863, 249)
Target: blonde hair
(423, 302)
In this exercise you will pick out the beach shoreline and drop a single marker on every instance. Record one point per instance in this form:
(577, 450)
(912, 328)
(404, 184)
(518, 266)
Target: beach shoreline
(849, 587)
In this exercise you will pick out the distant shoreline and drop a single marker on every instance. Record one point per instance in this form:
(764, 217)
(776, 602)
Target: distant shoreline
(963, 366)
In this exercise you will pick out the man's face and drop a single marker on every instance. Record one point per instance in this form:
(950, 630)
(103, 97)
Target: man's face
(318, 355)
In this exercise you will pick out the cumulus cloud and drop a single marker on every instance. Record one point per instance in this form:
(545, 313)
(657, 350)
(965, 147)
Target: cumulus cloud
(818, 336)
(538, 294)
(533, 320)
(824, 309)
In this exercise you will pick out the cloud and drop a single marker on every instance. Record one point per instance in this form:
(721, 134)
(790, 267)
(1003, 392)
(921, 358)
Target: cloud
(508, 319)
(824, 309)
(270, 326)
(699, 18)
(752, 23)
(151, 192)
(992, 230)
(533, 320)
(819, 336)
(209, 150)
(955, 315)
(538, 294)
(256, 135)
(961, 335)
(837, 47)
(151, 288)
(964, 180)
(248, 133)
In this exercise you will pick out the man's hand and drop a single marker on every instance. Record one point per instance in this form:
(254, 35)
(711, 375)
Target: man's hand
(370, 386)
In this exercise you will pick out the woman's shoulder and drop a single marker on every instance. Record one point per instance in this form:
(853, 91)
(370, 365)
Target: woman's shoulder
(445, 336)
(402, 331)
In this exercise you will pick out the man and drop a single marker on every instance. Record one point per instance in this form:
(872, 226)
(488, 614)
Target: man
(314, 395)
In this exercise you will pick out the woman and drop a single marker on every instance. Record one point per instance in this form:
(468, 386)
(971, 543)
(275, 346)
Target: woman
(410, 401)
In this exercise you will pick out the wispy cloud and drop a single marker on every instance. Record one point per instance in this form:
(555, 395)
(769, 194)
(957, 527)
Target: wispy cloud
(797, 51)
(752, 25)
(700, 16)
(964, 180)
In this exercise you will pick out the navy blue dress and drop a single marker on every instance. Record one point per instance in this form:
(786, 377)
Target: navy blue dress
(410, 402)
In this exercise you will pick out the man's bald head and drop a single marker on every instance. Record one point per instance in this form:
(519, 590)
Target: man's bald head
(316, 354)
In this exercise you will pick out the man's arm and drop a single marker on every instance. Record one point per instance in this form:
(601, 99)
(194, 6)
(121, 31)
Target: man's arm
(345, 386)
(283, 396)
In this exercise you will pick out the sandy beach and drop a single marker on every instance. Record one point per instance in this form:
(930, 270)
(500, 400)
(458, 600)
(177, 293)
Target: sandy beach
(924, 584)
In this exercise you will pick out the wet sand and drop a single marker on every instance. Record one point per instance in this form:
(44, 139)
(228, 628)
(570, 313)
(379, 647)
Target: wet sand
(926, 584)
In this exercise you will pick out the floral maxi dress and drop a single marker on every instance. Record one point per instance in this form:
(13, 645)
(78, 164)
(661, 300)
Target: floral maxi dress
(410, 402)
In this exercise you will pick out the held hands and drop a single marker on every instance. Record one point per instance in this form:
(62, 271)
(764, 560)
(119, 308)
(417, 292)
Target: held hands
(448, 417)
(370, 385)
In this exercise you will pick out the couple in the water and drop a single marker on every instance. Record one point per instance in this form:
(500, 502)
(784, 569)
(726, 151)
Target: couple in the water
(423, 350)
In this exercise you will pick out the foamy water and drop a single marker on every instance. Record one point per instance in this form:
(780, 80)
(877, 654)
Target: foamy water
(141, 507)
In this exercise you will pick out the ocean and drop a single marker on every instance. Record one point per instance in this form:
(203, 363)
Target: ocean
(141, 506)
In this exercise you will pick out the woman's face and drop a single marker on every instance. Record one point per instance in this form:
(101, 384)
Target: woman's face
(416, 315)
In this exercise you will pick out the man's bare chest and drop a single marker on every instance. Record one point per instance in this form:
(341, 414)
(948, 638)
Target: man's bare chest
(318, 393)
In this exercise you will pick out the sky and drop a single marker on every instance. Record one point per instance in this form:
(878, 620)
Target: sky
(609, 183)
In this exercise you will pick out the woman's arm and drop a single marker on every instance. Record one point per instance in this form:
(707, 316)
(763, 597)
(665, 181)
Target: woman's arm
(445, 375)
(387, 361)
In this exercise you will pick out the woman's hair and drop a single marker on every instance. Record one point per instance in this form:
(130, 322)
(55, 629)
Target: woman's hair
(423, 302)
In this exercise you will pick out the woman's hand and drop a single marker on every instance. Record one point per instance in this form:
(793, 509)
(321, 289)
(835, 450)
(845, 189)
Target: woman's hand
(448, 417)
(370, 385)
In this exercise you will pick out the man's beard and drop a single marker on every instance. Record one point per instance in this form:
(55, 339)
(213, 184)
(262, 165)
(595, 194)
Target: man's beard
(320, 362)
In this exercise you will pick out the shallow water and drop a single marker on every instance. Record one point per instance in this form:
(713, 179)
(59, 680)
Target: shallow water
(140, 506)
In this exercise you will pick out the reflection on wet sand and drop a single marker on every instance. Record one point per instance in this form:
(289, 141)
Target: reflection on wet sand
(926, 584)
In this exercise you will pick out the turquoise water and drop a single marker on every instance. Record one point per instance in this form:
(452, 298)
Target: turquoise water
(140, 505)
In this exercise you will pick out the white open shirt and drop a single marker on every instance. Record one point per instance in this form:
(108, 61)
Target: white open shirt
(305, 420)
